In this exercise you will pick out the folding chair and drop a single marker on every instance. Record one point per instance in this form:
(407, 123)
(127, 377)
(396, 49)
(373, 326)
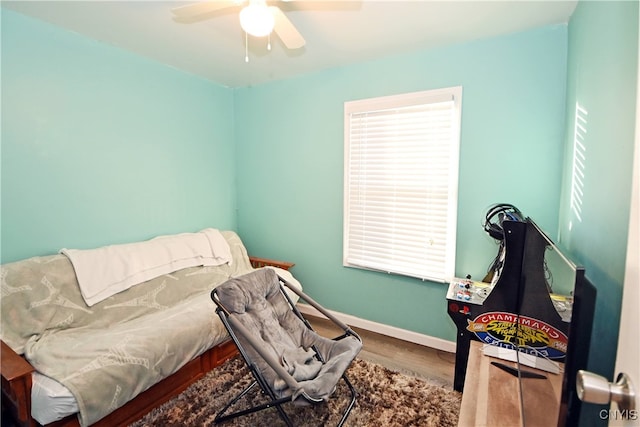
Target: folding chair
(288, 359)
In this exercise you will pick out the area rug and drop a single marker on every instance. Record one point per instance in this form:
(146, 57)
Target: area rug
(385, 398)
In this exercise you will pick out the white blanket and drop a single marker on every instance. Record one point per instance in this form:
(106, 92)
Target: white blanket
(105, 271)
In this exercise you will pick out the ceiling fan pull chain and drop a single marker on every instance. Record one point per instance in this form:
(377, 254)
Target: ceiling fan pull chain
(246, 47)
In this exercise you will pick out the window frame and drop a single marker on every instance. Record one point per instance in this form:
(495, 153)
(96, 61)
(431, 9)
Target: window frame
(401, 101)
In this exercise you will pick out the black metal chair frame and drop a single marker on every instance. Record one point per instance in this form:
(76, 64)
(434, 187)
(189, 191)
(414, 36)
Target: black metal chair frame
(223, 313)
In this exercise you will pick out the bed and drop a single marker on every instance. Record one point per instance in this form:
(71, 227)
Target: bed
(65, 362)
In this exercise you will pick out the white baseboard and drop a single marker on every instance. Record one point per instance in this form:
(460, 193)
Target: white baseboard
(381, 328)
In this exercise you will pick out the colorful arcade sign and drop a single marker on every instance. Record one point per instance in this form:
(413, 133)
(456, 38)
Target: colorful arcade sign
(523, 333)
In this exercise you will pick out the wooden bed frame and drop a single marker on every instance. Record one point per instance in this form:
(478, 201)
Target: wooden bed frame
(16, 380)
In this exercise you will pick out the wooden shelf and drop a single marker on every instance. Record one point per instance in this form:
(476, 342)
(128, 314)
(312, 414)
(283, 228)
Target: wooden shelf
(493, 397)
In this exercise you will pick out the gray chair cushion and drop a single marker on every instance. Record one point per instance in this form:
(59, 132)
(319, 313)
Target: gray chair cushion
(256, 302)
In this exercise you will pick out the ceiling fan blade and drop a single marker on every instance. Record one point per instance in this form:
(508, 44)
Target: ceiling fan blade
(204, 7)
(285, 29)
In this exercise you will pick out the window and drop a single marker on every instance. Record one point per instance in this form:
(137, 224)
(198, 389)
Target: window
(401, 183)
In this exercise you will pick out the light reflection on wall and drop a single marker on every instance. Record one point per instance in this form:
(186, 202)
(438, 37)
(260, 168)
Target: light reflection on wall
(578, 161)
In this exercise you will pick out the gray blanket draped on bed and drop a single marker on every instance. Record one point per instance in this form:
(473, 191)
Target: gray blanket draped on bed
(108, 353)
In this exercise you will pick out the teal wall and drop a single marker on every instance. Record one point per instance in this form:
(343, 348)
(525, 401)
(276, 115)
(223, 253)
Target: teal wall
(602, 77)
(290, 160)
(102, 146)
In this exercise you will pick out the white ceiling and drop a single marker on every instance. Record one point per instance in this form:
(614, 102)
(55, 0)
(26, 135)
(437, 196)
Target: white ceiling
(336, 32)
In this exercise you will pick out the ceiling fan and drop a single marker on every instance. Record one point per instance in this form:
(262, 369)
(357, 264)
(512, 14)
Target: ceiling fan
(257, 18)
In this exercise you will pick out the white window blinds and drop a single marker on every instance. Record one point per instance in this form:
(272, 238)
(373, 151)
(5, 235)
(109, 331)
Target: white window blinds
(401, 175)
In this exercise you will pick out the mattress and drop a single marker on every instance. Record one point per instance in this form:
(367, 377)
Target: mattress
(50, 400)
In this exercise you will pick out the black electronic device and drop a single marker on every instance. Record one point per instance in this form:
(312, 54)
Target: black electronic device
(498, 213)
(537, 292)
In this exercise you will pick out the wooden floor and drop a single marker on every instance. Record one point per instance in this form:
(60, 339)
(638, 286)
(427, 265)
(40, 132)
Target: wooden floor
(409, 358)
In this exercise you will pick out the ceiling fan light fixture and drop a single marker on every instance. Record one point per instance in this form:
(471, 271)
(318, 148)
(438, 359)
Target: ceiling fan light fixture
(256, 19)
